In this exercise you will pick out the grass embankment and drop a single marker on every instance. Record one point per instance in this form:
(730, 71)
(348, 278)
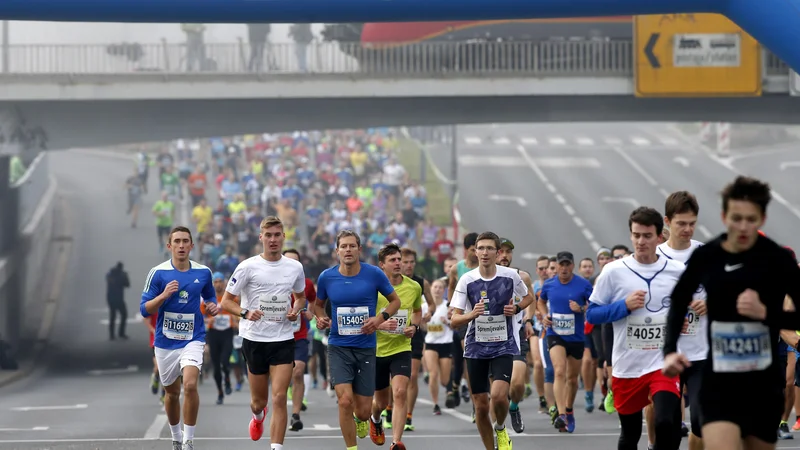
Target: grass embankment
(410, 157)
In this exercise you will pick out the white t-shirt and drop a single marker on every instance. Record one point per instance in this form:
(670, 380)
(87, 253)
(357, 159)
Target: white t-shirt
(393, 174)
(439, 331)
(267, 286)
(693, 343)
(638, 338)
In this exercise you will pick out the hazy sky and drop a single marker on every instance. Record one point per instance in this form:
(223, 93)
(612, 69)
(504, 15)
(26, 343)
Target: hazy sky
(106, 33)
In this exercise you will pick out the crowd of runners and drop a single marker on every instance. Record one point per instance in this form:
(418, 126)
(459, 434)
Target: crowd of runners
(645, 325)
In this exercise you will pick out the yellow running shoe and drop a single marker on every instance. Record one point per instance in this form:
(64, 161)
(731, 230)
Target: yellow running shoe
(503, 440)
(362, 428)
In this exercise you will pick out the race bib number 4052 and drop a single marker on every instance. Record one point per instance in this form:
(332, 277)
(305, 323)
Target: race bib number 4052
(646, 332)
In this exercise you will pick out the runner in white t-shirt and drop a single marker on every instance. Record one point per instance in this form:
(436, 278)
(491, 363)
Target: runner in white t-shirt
(680, 216)
(633, 293)
(260, 292)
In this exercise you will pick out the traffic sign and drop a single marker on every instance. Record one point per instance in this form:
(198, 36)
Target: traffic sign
(694, 55)
(794, 83)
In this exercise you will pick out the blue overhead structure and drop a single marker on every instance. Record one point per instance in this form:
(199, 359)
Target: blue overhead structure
(774, 23)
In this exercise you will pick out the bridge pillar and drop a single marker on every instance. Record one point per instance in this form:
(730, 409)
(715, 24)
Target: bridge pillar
(774, 23)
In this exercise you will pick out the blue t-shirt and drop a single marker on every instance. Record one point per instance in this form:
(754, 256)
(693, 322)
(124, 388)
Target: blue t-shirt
(352, 301)
(566, 323)
(179, 318)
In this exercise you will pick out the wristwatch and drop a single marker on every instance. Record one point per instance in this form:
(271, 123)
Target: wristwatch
(416, 327)
(385, 315)
(518, 309)
(244, 313)
(530, 321)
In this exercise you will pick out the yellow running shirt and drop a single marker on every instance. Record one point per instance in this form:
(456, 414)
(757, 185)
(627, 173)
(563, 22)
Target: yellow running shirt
(394, 342)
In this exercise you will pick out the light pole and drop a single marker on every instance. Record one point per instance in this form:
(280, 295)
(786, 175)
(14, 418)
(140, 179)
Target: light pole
(6, 67)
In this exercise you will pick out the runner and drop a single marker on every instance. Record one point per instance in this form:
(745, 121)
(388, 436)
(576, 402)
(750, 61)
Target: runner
(542, 378)
(155, 382)
(505, 256)
(350, 290)
(469, 262)
(603, 353)
(300, 328)
(438, 345)
(393, 362)
(747, 277)
(260, 292)
(409, 264)
(632, 293)
(484, 301)
(680, 218)
(590, 352)
(174, 291)
(219, 338)
(562, 303)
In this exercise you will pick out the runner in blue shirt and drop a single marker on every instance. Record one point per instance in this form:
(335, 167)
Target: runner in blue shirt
(351, 289)
(563, 303)
(174, 290)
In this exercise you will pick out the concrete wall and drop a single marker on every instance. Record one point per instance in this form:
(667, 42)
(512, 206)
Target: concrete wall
(33, 276)
(103, 123)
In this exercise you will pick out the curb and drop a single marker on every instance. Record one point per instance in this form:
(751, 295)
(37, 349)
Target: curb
(61, 250)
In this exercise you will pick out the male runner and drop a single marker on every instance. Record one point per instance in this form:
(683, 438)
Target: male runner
(505, 255)
(680, 218)
(633, 294)
(562, 303)
(174, 291)
(590, 352)
(349, 292)
(260, 292)
(409, 264)
(603, 353)
(746, 277)
(301, 344)
(484, 300)
(469, 262)
(543, 379)
(393, 355)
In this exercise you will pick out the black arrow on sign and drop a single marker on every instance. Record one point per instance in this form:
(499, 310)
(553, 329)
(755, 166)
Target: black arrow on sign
(648, 50)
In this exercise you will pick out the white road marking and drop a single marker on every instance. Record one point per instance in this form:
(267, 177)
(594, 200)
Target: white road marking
(566, 163)
(472, 140)
(631, 201)
(526, 256)
(561, 199)
(569, 210)
(578, 222)
(588, 234)
(613, 141)
(640, 141)
(513, 161)
(702, 228)
(322, 427)
(155, 428)
(681, 160)
(585, 141)
(551, 188)
(669, 141)
(448, 411)
(49, 408)
(99, 372)
(502, 141)
(554, 141)
(787, 164)
(543, 178)
(636, 166)
(529, 141)
(131, 320)
(506, 198)
(663, 192)
(25, 429)
(491, 161)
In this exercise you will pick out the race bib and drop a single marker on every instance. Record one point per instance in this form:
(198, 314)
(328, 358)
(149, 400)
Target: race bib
(237, 342)
(491, 329)
(563, 324)
(222, 322)
(178, 327)
(694, 323)
(740, 346)
(401, 316)
(350, 320)
(274, 306)
(646, 332)
(297, 324)
(435, 328)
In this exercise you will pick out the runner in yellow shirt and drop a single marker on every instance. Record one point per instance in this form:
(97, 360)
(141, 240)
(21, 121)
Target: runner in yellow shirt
(393, 362)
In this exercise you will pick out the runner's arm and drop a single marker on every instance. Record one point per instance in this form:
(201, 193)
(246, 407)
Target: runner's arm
(426, 290)
(682, 296)
(459, 305)
(452, 280)
(787, 320)
(602, 306)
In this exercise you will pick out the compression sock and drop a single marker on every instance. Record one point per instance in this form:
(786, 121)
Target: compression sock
(513, 406)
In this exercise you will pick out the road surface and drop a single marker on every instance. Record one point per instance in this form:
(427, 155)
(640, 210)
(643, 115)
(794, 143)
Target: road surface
(553, 187)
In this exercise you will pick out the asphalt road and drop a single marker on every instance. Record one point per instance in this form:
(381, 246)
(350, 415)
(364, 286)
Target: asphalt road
(553, 187)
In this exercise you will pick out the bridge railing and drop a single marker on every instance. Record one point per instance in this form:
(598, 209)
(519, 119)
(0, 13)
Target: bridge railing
(32, 187)
(421, 59)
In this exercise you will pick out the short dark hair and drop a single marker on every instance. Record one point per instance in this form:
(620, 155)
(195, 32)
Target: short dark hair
(588, 259)
(180, 229)
(542, 258)
(405, 251)
(470, 239)
(388, 250)
(681, 202)
(489, 236)
(552, 259)
(348, 233)
(644, 215)
(291, 250)
(620, 247)
(747, 189)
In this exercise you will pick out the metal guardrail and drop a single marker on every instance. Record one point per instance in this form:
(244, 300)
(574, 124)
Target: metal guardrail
(551, 58)
(32, 187)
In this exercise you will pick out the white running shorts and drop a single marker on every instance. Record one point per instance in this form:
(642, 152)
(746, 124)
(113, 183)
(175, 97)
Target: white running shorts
(171, 362)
